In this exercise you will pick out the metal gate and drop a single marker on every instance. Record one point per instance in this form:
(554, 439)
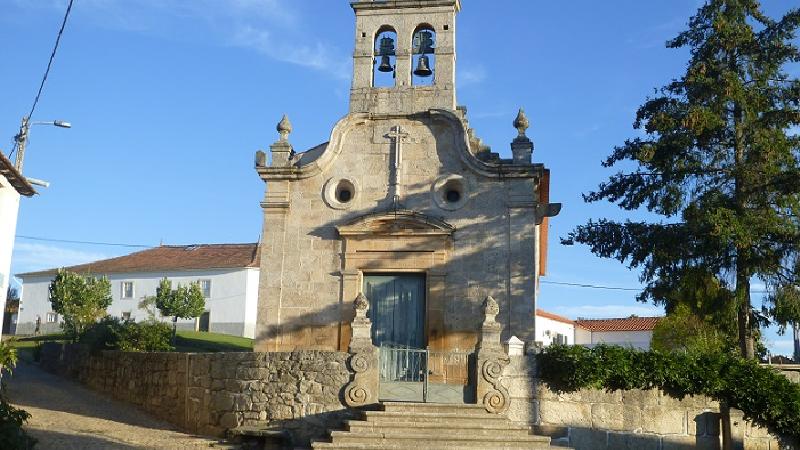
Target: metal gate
(422, 375)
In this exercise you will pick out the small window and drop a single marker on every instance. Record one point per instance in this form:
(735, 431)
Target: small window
(127, 289)
(344, 191)
(126, 315)
(52, 317)
(205, 286)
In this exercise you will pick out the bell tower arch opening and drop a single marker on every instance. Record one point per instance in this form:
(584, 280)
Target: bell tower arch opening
(385, 62)
(423, 51)
(416, 73)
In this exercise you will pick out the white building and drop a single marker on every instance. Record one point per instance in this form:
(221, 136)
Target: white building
(633, 331)
(12, 186)
(554, 329)
(227, 273)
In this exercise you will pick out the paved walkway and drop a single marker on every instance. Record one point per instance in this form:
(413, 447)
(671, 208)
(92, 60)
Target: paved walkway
(65, 415)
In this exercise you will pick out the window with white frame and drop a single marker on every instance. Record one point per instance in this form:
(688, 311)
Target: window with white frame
(126, 315)
(52, 317)
(127, 289)
(205, 286)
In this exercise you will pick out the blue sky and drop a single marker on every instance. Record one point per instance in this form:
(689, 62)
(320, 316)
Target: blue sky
(169, 100)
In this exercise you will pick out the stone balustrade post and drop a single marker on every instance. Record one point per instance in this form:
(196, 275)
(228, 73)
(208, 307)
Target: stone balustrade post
(491, 360)
(363, 389)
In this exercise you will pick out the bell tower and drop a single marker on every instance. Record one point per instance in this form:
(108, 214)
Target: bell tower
(404, 59)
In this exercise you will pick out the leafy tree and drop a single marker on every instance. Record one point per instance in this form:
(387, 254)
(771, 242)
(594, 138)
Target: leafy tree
(684, 331)
(183, 302)
(719, 162)
(80, 300)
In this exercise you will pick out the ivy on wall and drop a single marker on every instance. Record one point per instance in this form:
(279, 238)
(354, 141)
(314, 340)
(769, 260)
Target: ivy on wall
(766, 397)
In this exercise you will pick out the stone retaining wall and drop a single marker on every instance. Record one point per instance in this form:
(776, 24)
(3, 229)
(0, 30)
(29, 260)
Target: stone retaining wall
(209, 393)
(637, 420)
(302, 391)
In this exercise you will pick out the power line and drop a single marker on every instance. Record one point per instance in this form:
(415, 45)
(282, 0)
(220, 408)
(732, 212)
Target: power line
(590, 286)
(47, 71)
(69, 241)
(613, 288)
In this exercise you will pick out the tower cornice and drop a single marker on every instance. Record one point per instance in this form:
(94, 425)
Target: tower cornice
(396, 4)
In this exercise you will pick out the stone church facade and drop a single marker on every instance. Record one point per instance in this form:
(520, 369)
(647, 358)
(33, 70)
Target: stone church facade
(404, 204)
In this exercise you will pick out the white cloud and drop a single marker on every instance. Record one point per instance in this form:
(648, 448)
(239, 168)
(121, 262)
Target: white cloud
(317, 55)
(270, 27)
(471, 75)
(608, 311)
(30, 257)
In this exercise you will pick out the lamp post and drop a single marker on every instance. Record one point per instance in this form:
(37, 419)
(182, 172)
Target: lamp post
(22, 137)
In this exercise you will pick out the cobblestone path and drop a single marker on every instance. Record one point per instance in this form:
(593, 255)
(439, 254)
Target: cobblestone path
(65, 416)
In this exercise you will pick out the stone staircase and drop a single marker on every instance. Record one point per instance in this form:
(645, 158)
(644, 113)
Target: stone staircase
(432, 426)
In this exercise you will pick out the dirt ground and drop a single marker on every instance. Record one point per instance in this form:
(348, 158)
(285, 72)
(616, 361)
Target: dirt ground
(65, 415)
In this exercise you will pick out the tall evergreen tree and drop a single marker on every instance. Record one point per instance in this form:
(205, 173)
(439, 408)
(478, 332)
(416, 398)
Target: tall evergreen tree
(720, 161)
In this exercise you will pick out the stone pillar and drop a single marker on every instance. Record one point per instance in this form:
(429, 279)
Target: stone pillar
(522, 146)
(363, 389)
(491, 360)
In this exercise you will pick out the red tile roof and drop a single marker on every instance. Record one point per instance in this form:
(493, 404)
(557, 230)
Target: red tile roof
(632, 323)
(551, 316)
(172, 258)
(20, 183)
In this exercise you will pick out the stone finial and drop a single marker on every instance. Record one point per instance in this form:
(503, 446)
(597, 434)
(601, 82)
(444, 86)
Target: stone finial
(490, 309)
(361, 304)
(521, 146)
(284, 128)
(521, 123)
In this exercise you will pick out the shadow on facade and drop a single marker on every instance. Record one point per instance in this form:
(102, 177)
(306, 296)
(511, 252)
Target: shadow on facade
(476, 249)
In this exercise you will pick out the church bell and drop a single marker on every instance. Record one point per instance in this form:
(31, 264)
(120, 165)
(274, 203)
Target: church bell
(423, 67)
(385, 66)
(385, 50)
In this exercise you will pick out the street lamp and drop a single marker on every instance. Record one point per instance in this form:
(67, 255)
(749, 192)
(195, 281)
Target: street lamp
(22, 137)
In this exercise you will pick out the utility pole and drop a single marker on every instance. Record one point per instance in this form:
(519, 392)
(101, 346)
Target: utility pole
(22, 139)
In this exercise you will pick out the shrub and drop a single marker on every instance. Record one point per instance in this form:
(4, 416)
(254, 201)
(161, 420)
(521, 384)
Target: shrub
(12, 436)
(111, 333)
(102, 335)
(144, 337)
(766, 397)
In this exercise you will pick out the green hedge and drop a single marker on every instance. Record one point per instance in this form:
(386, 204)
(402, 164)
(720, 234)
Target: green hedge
(766, 397)
(111, 333)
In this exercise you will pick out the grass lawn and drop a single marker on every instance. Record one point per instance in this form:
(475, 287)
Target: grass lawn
(25, 345)
(185, 342)
(203, 342)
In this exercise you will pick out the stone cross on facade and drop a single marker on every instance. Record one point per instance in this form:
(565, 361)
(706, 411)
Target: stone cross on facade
(397, 135)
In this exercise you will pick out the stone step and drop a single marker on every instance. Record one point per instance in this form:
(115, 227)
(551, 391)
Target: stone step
(442, 427)
(425, 438)
(438, 408)
(432, 446)
(454, 418)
